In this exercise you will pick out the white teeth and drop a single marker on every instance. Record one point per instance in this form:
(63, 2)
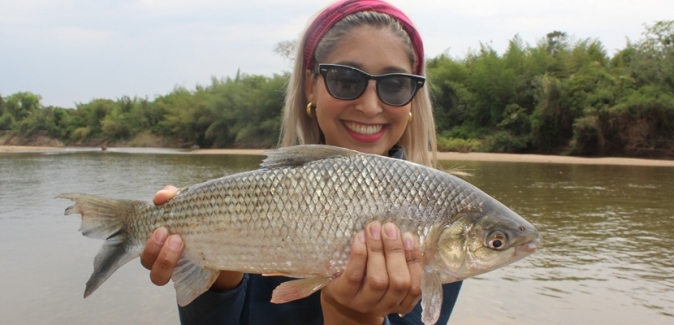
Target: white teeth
(363, 129)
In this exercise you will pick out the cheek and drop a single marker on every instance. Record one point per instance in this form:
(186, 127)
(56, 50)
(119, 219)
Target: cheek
(327, 106)
(322, 98)
(328, 111)
(400, 115)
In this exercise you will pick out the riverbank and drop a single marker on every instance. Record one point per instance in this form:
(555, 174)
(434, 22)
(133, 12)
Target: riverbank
(451, 156)
(4, 148)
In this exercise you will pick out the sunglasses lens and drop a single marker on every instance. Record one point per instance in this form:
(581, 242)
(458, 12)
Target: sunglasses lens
(345, 83)
(396, 90)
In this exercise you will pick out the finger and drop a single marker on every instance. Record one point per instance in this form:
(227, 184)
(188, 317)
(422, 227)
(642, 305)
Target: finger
(396, 266)
(168, 257)
(153, 247)
(347, 285)
(415, 265)
(165, 194)
(376, 277)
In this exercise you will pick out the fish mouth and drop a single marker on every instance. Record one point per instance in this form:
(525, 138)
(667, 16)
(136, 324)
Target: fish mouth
(533, 244)
(526, 249)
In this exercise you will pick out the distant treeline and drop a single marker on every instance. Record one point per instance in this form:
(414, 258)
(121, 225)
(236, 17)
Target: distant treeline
(560, 96)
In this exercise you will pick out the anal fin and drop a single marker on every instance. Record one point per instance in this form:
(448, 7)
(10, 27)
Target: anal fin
(298, 289)
(191, 280)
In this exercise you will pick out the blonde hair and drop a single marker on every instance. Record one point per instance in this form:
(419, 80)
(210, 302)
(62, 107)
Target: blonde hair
(418, 140)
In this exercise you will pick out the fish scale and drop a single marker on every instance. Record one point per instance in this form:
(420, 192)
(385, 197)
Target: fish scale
(298, 215)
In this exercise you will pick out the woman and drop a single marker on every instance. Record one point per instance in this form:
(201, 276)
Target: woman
(357, 84)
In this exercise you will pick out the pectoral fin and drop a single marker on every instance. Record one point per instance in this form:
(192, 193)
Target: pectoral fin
(431, 297)
(191, 280)
(298, 289)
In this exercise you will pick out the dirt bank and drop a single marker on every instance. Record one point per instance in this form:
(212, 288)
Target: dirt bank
(473, 156)
(499, 157)
(5, 148)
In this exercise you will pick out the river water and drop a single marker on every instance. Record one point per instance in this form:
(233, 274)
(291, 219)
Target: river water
(608, 239)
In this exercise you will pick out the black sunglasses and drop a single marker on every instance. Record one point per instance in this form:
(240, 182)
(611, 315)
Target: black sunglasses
(348, 83)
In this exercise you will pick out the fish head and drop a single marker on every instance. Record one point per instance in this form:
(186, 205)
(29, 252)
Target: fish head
(481, 240)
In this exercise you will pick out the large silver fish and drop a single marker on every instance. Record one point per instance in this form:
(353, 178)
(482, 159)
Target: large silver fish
(298, 214)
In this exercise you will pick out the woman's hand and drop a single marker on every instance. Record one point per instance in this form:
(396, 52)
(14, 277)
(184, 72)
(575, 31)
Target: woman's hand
(382, 276)
(162, 252)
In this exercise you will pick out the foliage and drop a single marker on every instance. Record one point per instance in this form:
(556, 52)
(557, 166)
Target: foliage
(241, 112)
(6, 122)
(504, 141)
(561, 96)
(557, 96)
(458, 144)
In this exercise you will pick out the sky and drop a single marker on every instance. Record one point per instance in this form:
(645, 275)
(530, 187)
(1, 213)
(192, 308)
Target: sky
(74, 51)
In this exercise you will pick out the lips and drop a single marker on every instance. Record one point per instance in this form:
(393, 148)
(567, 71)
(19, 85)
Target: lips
(367, 133)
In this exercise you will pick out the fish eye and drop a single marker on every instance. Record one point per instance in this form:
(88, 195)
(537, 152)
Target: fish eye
(497, 240)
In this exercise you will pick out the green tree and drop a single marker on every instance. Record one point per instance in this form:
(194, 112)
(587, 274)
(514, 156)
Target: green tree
(22, 104)
(557, 96)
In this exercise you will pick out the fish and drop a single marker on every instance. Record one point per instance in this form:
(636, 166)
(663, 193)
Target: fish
(297, 216)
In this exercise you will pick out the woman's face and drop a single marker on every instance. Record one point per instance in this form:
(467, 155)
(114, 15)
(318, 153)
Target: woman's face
(365, 124)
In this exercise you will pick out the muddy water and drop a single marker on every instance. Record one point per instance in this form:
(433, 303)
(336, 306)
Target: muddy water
(608, 233)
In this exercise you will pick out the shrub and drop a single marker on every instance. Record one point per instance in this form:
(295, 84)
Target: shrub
(458, 145)
(586, 136)
(503, 141)
(6, 122)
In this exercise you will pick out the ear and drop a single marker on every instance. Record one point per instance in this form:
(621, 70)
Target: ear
(310, 87)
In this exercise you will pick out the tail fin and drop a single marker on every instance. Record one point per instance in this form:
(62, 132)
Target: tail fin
(104, 218)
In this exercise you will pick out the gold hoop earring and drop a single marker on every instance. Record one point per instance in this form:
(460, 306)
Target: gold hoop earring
(309, 110)
(409, 119)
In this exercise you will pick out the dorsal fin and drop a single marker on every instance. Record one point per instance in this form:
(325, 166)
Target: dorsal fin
(302, 154)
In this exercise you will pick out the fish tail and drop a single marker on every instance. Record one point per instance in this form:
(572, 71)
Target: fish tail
(104, 218)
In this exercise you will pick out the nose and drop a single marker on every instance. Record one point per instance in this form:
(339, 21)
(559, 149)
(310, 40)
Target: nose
(368, 103)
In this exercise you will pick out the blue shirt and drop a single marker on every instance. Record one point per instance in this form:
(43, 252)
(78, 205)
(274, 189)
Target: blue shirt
(249, 303)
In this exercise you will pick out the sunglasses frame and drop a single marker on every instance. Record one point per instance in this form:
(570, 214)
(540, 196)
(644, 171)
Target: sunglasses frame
(417, 81)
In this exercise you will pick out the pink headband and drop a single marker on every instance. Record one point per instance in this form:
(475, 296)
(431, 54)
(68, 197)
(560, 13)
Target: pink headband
(338, 11)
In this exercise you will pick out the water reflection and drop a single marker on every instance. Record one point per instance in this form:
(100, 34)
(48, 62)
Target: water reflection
(606, 255)
(45, 261)
(607, 238)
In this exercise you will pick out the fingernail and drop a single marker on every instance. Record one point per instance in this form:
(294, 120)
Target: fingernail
(390, 231)
(160, 235)
(408, 241)
(174, 242)
(375, 230)
(361, 236)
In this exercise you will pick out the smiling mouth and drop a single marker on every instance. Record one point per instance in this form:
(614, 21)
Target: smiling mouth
(364, 129)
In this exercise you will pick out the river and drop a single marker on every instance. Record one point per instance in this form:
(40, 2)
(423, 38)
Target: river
(608, 238)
